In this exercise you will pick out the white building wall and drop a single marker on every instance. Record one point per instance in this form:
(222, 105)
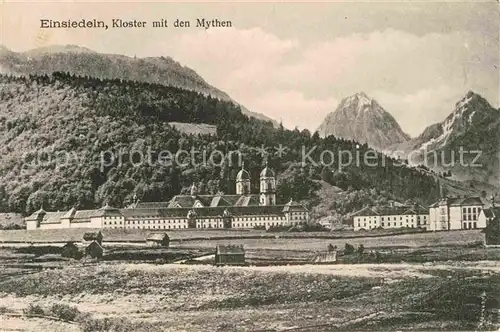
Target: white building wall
(455, 217)
(51, 226)
(31, 225)
(96, 222)
(87, 224)
(424, 221)
(266, 221)
(470, 217)
(156, 223)
(482, 221)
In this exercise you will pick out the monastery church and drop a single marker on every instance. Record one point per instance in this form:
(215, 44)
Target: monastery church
(239, 211)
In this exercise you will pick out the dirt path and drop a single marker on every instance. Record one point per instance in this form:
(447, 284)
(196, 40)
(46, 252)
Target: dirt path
(10, 324)
(392, 271)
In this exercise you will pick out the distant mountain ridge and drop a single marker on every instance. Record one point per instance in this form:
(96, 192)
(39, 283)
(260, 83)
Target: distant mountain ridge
(85, 62)
(361, 118)
(473, 125)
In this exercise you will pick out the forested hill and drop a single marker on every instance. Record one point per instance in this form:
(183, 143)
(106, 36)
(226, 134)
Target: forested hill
(85, 62)
(56, 130)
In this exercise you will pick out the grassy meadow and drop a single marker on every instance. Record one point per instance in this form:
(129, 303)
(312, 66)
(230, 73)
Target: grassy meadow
(146, 297)
(431, 281)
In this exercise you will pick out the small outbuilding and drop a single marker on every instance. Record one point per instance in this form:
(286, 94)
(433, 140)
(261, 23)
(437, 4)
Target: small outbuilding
(158, 240)
(229, 255)
(325, 257)
(93, 236)
(70, 250)
(94, 250)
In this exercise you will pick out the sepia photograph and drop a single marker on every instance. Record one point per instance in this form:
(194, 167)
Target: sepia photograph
(249, 166)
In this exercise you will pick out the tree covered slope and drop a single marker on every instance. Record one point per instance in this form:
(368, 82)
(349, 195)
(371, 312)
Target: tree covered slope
(60, 133)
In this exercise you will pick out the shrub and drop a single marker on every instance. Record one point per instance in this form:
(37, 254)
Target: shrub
(280, 228)
(34, 309)
(65, 312)
(361, 249)
(314, 228)
(90, 324)
(13, 226)
(349, 249)
(4, 309)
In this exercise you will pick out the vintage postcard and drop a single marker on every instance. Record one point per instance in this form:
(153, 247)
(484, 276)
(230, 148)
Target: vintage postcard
(249, 166)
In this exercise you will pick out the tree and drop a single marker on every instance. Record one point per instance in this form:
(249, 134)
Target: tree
(349, 249)
(326, 174)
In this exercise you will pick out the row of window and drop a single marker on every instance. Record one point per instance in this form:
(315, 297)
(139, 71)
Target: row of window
(470, 217)
(139, 222)
(372, 227)
(471, 210)
(153, 227)
(221, 225)
(394, 218)
(395, 224)
(470, 225)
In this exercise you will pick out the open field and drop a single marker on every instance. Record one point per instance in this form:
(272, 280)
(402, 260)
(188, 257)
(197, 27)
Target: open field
(146, 297)
(319, 244)
(430, 281)
(139, 235)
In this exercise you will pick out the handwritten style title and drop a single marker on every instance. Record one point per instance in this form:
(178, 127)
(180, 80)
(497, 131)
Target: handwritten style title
(118, 23)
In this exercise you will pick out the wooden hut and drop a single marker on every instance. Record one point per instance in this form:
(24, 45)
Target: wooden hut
(94, 250)
(325, 257)
(229, 255)
(70, 250)
(93, 236)
(158, 240)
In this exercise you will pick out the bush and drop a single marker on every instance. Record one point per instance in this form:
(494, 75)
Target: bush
(278, 228)
(4, 309)
(349, 249)
(90, 324)
(12, 226)
(34, 309)
(40, 250)
(314, 228)
(361, 249)
(65, 312)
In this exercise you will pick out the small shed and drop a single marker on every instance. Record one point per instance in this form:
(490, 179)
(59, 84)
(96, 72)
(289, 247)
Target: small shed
(70, 250)
(94, 250)
(229, 255)
(326, 257)
(158, 240)
(93, 236)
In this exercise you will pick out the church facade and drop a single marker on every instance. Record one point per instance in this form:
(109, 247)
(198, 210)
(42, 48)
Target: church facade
(243, 210)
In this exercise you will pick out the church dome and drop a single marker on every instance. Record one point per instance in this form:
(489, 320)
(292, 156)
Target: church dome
(267, 173)
(242, 175)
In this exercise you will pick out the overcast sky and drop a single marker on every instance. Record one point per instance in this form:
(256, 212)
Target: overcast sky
(295, 62)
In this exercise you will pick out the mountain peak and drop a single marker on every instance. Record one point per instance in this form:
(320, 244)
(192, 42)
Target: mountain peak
(361, 95)
(359, 100)
(362, 119)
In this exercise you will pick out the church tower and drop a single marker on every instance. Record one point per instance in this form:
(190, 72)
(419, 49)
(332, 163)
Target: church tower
(243, 181)
(193, 191)
(267, 187)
